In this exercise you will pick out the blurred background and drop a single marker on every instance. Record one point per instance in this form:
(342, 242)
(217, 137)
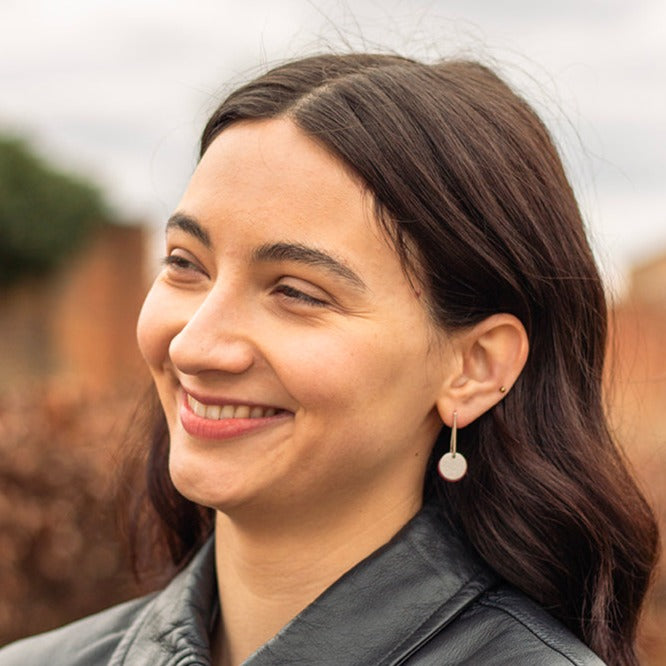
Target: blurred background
(101, 104)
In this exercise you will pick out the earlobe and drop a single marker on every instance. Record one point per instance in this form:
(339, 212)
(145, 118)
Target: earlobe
(491, 356)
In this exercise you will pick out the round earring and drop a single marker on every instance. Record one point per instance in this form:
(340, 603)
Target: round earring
(452, 465)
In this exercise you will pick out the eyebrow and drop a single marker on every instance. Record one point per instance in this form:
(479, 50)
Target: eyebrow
(295, 252)
(310, 256)
(190, 226)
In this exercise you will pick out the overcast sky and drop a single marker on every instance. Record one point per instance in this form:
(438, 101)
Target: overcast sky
(119, 90)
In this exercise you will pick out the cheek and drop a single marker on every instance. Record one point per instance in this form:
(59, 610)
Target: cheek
(152, 330)
(345, 370)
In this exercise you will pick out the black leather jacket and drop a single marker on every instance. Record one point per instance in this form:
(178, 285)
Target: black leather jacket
(422, 599)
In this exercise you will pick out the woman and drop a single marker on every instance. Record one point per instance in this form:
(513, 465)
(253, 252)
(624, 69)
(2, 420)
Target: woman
(378, 270)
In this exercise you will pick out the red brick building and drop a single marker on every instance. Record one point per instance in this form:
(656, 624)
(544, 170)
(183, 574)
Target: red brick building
(78, 324)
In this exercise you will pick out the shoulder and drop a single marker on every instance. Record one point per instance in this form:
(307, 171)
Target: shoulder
(87, 642)
(159, 628)
(503, 626)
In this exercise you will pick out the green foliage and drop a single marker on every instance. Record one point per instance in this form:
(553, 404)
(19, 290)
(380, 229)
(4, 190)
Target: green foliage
(45, 214)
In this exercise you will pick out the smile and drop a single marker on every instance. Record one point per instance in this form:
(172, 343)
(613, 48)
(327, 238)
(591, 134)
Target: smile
(217, 412)
(227, 421)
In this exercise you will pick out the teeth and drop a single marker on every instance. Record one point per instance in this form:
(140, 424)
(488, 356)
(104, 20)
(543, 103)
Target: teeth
(216, 412)
(242, 412)
(227, 412)
(213, 412)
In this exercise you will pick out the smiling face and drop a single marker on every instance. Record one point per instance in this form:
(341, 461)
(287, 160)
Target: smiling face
(295, 363)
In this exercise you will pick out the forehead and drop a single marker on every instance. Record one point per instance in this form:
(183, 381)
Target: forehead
(272, 163)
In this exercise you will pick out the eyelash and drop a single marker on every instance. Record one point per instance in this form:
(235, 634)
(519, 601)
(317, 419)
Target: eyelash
(298, 295)
(176, 261)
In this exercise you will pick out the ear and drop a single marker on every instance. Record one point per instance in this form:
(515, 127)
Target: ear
(488, 359)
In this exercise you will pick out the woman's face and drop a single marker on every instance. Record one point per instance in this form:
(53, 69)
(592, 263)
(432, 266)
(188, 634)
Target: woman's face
(295, 363)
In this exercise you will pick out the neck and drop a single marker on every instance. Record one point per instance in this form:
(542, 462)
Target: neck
(270, 567)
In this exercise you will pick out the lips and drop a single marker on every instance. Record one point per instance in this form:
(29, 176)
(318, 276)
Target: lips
(225, 420)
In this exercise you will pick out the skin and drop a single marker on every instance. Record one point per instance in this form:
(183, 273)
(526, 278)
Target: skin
(348, 355)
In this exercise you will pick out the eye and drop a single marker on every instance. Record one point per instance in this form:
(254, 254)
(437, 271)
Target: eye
(181, 266)
(177, 262)
(299, 296)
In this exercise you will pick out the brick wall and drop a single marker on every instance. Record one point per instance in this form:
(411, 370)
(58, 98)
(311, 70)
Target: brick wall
(78, 324)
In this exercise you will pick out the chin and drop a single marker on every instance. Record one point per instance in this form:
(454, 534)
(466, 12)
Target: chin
(200, 483)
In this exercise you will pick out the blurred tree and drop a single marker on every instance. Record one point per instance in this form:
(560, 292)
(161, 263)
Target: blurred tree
(44, 213)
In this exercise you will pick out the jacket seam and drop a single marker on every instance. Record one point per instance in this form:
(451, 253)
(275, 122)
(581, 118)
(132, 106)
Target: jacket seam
(532, 630)
(400, 652)
(129, 635)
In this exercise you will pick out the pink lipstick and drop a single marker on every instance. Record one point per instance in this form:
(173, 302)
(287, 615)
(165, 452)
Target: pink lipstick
(219, 423)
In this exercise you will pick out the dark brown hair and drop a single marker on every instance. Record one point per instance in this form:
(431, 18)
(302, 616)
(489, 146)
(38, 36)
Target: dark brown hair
(466, 179)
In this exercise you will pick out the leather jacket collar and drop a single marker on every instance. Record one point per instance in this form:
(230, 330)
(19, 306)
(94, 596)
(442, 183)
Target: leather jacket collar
(379, 612)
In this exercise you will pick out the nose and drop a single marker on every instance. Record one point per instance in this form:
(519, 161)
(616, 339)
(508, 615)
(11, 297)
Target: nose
(213, 338)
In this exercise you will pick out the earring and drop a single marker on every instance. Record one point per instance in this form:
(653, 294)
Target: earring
(452, 465)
